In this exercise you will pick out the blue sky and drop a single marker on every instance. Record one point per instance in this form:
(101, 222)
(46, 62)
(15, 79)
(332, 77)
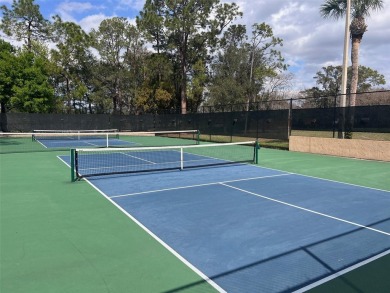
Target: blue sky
(82, 9)
(90, 13)
(310, 42)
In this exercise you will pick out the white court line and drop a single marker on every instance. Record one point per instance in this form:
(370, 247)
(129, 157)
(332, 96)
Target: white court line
(196, 185)
(174, 252)
(59, 157)
(41, 143)
(153, 163)
(122, 166)
(315, 284)
(91, 143)
(120, 142)
(165, 245)
(342, 272)
(207, 158)
(324, 179)
(61, 143)
(307, 210)
(137, 158)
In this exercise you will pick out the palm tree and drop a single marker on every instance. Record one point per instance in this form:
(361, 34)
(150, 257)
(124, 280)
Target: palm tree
(360, 9)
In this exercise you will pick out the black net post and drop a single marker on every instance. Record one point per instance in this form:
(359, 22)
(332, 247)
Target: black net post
(72, 165)
(257, 148)
(209, 123)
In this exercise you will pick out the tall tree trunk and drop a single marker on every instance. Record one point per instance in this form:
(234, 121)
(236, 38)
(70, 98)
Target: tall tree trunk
(68, 97)
(251, 95)
(3, 109)
(183, 80)
(115, 99)
(355, 69)
(356, 39)
(29, 41)
(183, 95)
(251, 92)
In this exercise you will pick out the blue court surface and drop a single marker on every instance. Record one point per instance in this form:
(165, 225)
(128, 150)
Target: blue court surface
(244, 228)
(82, 143)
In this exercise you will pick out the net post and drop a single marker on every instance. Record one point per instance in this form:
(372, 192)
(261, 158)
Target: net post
(198, 137)
(107, 144)
(181, 159)
(257, 147)
(72, 160)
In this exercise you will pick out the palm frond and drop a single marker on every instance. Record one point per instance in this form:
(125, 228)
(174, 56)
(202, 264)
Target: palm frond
(333, 8)
(363, 8)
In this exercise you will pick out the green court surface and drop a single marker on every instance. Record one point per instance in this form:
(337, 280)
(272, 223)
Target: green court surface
(58, 236)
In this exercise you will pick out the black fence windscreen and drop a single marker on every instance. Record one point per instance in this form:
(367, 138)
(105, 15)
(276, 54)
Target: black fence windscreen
(252, 124)
(217, 126)
(370, 119)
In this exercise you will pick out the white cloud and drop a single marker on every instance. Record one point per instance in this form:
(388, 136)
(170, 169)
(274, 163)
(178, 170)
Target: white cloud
(130, 5)
(92, 21)
(77, 7)
(311, 42)
(68, 9)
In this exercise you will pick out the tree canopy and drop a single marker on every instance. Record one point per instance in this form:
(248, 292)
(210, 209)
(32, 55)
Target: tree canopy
(25, 22)
(178, 56)
(328, 81)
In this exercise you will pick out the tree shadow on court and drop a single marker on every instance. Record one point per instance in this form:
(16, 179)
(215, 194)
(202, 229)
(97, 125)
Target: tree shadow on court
(320, 253)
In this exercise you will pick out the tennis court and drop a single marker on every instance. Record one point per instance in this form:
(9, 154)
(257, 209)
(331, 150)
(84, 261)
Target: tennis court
(293, 222)
(82, 142)
(244, 228)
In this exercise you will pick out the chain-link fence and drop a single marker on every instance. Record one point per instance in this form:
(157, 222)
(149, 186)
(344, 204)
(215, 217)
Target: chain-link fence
(277, 119)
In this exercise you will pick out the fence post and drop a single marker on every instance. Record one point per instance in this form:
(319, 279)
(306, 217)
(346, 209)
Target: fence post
(232, 131)
(289, 122)
(209, 124)
(334, 115)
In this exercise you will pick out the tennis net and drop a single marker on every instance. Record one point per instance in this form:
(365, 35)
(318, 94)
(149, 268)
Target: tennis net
(99, 162)
(42, 136)
(75, 131)
(73, 135)
(148, 138)
(116, 139)
(55, 141)
(161, 138)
